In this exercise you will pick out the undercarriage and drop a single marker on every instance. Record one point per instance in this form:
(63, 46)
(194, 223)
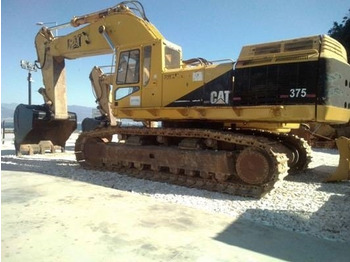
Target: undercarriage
(236, 162)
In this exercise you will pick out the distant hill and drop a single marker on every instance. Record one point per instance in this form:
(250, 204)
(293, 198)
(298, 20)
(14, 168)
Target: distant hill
(82, 112)
(7, 111)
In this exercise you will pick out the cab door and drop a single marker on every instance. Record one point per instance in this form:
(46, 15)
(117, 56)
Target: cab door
(128, 92)
(151, 87)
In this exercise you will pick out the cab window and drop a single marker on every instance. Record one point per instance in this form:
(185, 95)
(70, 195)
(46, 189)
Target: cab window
(147, 51)
(128, 67)
(125, 91)
(172, 58)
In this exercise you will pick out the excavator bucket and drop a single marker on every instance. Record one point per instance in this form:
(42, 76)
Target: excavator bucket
(36, 131)
(343, 169)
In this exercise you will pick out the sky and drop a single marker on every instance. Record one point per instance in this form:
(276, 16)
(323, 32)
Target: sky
(212, 29)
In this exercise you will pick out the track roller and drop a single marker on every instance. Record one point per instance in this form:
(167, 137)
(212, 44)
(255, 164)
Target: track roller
(253, 166)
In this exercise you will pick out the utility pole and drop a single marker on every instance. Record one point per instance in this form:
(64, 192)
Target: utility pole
(31, 68)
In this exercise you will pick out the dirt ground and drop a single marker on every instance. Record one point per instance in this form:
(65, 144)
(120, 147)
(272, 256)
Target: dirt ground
(49, 214)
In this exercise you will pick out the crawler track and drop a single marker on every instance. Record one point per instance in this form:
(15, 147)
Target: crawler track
(299, 150)
(245, 164)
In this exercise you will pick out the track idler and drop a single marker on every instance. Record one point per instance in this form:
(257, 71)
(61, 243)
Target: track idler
(253, 166)
(37, 132)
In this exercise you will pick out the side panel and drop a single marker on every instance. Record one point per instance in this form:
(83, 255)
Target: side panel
(334, 91)
(278, 84)
(177, 85)
(334, 83)
(212, 87)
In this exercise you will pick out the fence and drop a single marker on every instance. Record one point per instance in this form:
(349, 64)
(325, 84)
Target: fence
(6, 128)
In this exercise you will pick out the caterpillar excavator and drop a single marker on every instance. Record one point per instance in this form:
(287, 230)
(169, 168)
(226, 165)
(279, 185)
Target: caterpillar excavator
(216, 125)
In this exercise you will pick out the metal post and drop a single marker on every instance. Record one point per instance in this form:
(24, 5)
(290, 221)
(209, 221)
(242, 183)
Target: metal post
(3, 131)
(29, 88)
(31, 68)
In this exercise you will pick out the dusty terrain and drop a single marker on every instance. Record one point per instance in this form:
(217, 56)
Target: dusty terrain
(300, 203)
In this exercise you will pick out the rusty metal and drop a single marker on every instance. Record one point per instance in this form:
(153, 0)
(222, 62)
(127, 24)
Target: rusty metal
(297, 149)
(253, 166)
(301, 149)
(176, 160)
(206, 168)
(190, 143)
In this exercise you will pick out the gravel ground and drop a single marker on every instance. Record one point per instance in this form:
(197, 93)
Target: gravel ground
(300, 203)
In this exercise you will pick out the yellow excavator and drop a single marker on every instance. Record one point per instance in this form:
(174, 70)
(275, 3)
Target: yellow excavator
(216, 125)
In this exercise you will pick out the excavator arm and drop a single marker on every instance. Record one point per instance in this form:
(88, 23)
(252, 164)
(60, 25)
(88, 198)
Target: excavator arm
(52, 52)
(103, 33)
(98, 33)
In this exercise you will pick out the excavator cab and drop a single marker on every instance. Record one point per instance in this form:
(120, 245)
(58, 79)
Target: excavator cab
(36, 131)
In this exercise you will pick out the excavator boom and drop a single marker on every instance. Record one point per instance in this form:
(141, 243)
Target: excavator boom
(95, 38)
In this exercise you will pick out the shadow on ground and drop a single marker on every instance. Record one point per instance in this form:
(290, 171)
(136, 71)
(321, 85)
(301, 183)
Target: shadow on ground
(282, 244)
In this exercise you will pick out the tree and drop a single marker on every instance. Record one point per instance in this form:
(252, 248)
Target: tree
(341, 32)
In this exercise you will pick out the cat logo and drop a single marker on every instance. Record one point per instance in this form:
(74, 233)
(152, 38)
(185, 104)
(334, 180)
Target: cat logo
(219, 97)
(77, 40)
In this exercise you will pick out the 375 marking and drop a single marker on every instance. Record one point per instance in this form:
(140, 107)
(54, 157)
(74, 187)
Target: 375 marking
(297, 92)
